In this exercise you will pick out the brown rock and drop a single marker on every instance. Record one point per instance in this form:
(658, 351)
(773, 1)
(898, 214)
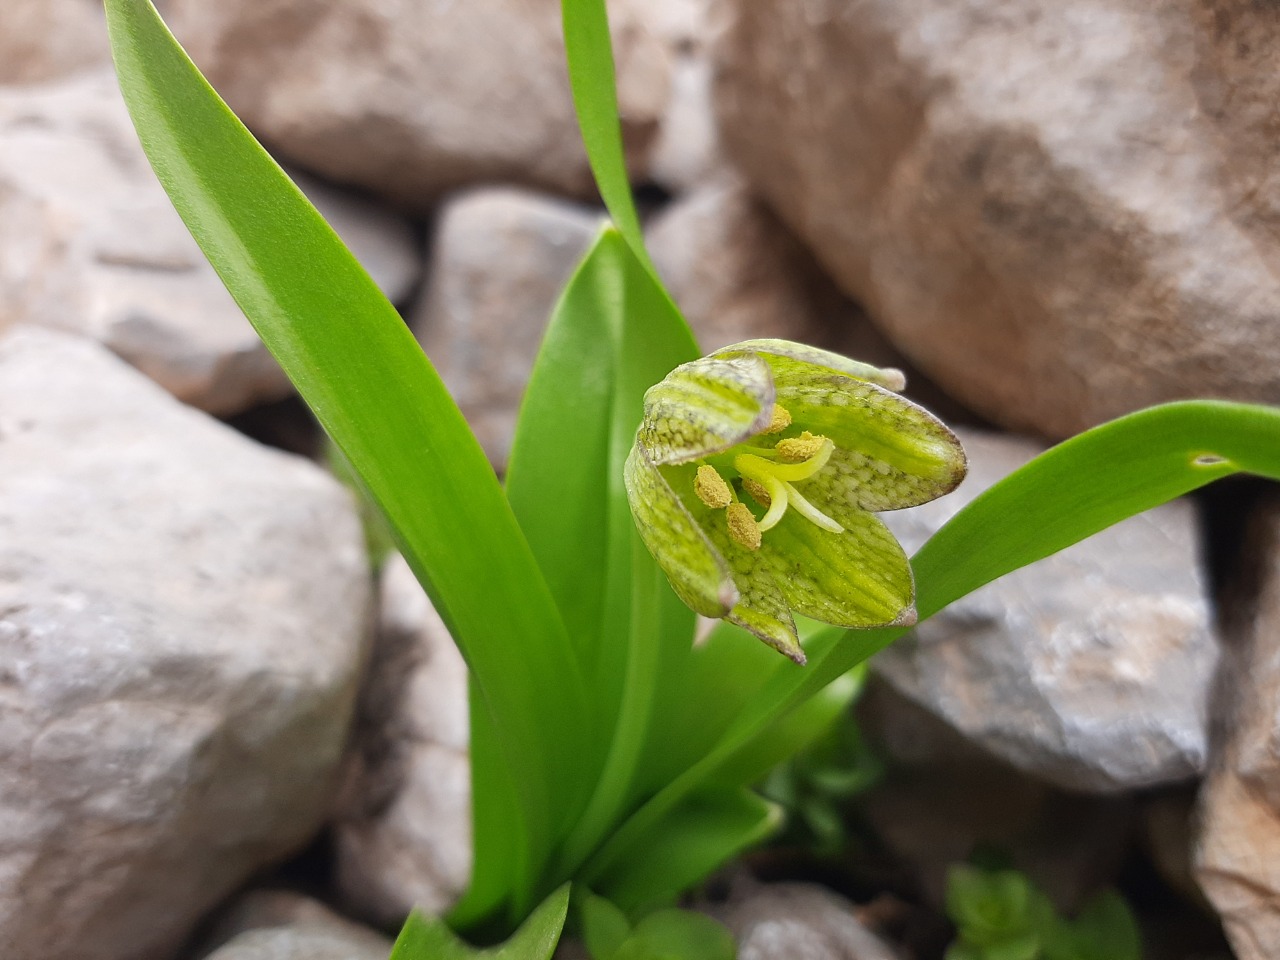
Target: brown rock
(412, 100)
(1060, 212)
(737, 273)
(46, 39)
(1238, 856)
(500, 258)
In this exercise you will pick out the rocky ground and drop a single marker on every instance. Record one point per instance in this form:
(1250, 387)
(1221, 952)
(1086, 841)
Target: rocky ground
(221, 736)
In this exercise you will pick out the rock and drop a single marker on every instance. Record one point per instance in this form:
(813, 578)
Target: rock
(182, 630)
(89, 242)
(1238, 854)
(500, 259)
(415, 100)
(799, 921)
(686, 149)
(1089, 669)
(45, 39)
(943, 800)
(403, 836)
(1060, 212)
(279, 925)
(737, 273)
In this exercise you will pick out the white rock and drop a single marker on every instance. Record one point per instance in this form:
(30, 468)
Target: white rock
(182, 627)
(404, 833)
(1238, 854)
(89, 242)
(278, 925)
(1089, 669)
(1060, 211)
(412, 99)
(500, 259)
(798, 921)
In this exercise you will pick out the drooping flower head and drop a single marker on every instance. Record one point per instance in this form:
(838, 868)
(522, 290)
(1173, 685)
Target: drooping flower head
(755, 477)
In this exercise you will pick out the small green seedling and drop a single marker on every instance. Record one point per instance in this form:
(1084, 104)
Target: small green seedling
(1001, 915)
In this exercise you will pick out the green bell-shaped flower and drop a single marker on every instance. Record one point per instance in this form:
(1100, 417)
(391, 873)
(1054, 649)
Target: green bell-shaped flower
(754, 478)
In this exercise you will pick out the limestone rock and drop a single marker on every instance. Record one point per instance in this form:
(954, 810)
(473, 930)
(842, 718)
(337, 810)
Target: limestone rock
(182, 628)
(45, 39)
(89, 242)
(1089, 669)
(413, 100)
(737, 273)
(799, 921)
(500, 259)
(943, 799)
(279, 925)
(1060, 212)
(404, 833)
(1238, 855)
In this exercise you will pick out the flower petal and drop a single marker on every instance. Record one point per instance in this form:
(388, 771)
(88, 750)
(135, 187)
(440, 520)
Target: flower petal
(761, 607)
(705, 407)
(889, 453)
(697, 572)
(888, 378)
(859, 578)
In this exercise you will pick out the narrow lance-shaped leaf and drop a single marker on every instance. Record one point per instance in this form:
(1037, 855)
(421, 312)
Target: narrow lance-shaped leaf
(429, 938)
(363, 374)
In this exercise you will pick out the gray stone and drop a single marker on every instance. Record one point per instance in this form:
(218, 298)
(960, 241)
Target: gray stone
(45, 39)
(279, 925)
(1238, 853)
(943, 799)
(1089, 669)
(183, 622)
(1060, 211)
(798, 921)
(500, 259)
(403, 834)
(90, 243)
(414, 100)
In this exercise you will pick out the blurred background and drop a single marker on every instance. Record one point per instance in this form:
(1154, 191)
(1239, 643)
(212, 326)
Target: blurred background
(1048, 214)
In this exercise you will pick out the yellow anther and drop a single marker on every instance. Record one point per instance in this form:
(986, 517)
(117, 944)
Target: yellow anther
(780, 419)
(757, 491)
(711, 488)
(743, 529)
(801, 448)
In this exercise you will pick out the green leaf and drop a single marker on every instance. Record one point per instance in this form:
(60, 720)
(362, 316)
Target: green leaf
(364, 376)
(673, 934)
(604, 926)
(612, 335)
(591, 76)
(429, 938)
(1104, 930)
(1066, 494)
(792, 733)
(695, 838)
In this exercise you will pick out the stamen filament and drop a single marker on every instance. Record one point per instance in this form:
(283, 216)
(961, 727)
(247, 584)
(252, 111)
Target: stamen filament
(809, 511)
